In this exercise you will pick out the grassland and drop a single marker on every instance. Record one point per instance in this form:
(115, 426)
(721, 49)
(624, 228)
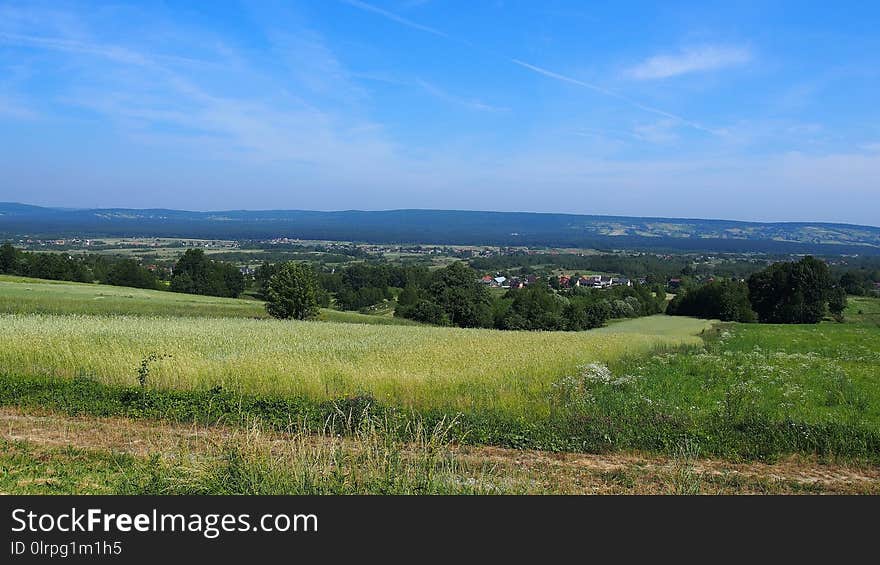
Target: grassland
(415, 367)
(24, 295)
(21, 295)
(658, 384)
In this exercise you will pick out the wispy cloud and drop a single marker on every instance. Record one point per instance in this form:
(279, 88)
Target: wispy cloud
(301, 116)
(613, 94)
(394, 17)
(457, 100)
(534, 68)
(690, 60)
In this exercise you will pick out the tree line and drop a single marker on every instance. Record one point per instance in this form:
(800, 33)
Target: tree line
(193, 273)
(801, 292)
(648, 266)
(451, 296)
(82, 268)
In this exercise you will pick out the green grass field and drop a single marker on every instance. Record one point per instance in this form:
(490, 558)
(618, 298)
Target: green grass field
(413, 366)
(20, 295)
(653, 383)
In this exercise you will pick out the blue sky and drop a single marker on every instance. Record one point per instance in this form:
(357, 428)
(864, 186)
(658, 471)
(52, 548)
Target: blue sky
(743, 110)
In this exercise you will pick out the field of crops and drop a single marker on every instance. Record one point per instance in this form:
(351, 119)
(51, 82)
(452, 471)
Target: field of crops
(654, 384)
(412, 366)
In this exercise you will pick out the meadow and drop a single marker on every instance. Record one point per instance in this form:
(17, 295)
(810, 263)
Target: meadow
(657, 384)
(415, 367)
(22, 295)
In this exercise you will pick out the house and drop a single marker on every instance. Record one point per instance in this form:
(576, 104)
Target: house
(487, 279)
(499, 281)
(584, 281)
(564, 281)
(673, 283)
(516, 283)
(531, 279)
(246, 271)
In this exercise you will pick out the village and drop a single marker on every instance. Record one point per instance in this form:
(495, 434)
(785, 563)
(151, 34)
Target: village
(565, 281)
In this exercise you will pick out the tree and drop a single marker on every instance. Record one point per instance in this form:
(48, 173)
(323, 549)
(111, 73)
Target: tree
(194, 273)
(408, 296)
(191, 273)
(424, 311)
(129, 272)
(791, 293)
(8, 258)
(852, 284)
(293, 292)
(465, 301)
(233, 280)
(837, 302)
(535, 307)
(659, 293)
(724, 300)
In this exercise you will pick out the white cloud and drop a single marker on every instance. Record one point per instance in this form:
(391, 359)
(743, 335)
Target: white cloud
(690, 60)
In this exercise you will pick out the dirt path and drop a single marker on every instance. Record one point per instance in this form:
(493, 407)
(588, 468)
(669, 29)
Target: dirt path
(556, 472)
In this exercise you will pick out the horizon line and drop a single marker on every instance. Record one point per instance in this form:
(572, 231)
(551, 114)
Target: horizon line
(85, 209)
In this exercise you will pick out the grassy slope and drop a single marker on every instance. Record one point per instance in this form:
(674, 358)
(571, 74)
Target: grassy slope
(20, 295)
(24, 295)
(415, 366)
(755, 391)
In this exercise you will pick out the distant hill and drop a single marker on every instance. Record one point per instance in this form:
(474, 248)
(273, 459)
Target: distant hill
(447, 227)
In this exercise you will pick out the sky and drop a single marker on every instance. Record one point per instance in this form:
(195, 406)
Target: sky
(758, 110)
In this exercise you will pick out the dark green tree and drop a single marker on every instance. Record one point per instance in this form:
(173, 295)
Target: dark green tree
(9, 258)
(723, 300)
(837, 302)
(465, 301)
(293, 292)
(791, 293)
(408, 296)
(424, 311)
(535, 307)
(129, 272)
(195, 273)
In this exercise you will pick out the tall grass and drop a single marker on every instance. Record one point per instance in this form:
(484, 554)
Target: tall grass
(369, 458)
(418, 367)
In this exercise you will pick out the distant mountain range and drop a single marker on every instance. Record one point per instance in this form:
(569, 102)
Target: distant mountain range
(447, 227)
